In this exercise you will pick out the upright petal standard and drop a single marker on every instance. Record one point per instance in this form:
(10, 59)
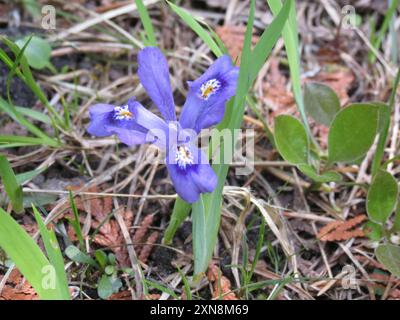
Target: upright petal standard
(189, 168)
(205, 103)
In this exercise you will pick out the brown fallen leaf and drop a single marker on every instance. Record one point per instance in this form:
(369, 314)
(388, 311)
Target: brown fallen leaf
(17, 288)
(222, 285)
(148, 247)
(342, 230)
(233, 39)
(275, 92)
(109, 233)
(123, 295)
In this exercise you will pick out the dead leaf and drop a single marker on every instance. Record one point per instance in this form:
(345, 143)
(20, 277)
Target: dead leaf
(109, 233)
(233, 39)
(222, 285)
(17, 288)
(275, 92)
(342, 230)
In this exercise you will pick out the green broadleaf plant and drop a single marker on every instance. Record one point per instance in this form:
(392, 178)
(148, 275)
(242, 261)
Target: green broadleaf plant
(389, 256)
(38, 52)
(321, 102)
(291, 139)
(352, 133)
(382, 197)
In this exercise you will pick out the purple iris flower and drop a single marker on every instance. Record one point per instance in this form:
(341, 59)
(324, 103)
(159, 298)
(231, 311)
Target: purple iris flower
(189, 168)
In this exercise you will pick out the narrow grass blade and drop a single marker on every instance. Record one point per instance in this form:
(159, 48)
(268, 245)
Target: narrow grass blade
(146, 21)
(33, 114)
(179, 214)
(382, 32)
(28, 258)
(54, 254)
(206, 213)
(11, 185)
(75, 223)
(160, 287)
(12, 141)
(291, 39)
(384, 129)
(29, 175)
(17, 116)
(197, 28)
(25, 74)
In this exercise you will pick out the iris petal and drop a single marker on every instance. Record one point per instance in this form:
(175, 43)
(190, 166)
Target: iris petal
(184, 184)
(153, 73)
(195, 178)
(201, 112)
(104, 123)
(204, 177)
(99, 116)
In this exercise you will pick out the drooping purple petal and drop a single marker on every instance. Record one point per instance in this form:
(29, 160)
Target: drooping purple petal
(190, 172)
(99, 115)
(153, 73)
(106, 120)
(204, 177)
(207, 97)
(184, 184)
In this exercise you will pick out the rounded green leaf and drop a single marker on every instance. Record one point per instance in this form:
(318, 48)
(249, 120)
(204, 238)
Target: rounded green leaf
(352, 133)
(321, 102)
(389, 256)
(105, 287)
(291, 139)
(373, 231)
(382, 197)
(329, 176)
(37, 52)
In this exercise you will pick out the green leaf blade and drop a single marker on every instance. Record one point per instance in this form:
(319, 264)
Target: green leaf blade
(352, 133)
(27, 256)
(382, 197)
(389, 256)
(11, 185)
(291, 139)
(321, 103)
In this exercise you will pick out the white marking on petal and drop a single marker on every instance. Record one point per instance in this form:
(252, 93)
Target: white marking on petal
(183, 157)
(209, 88)
(122, 113)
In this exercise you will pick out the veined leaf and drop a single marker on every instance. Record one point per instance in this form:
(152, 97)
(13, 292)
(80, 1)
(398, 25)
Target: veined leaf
(352, 133)
(324, 177)
(321, 102)
(382, 197)
(389, 256)
(291, 139)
